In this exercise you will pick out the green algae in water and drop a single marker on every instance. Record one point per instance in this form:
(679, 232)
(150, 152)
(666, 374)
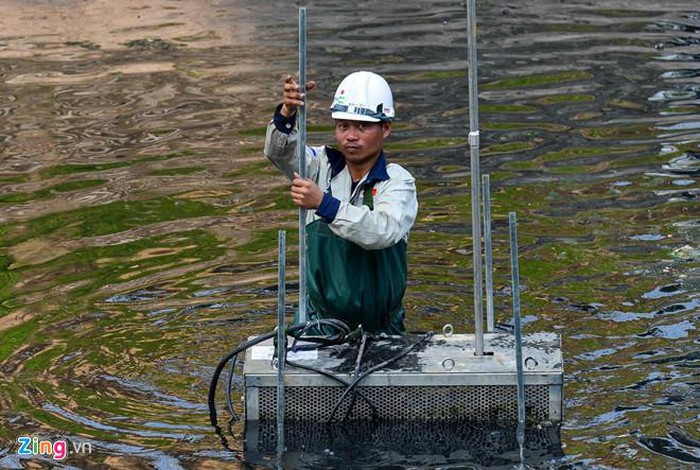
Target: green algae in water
(579, 169)
(111, 218)
(524, 165)
(70, 169)
(49, 192)
(282, 201)
(263, 241)
(8, 279)
(567, 98)
(260, 131)
(422, 144)
(105, 265)
(59, 170)
(578, 152)
(185, 170)
(444, 205)
(679, 110)
(507, 109)
(609, 132)
(71, 427)
(509, 147)
(258, 168)
(507, 126)
(147, 44)
(621, 13)
(449, 168)
(14, 179)
(41, 361)
(624, 156)
(571, 28)
(255, 149)
(15, 338)
(538, 80)
(432, 75)
(624, 104)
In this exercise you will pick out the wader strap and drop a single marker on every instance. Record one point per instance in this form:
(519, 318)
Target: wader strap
(368, 199)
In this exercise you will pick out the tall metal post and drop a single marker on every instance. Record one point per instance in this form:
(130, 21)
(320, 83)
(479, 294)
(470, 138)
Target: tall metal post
(520, 434)
(488, 255)
(281, 339)
(301, 155)
(475, 179)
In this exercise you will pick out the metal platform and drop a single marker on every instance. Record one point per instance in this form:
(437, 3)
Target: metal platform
(441, 379)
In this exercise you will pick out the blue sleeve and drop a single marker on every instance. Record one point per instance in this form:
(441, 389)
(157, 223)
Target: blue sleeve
(282, 123)
(328, 208)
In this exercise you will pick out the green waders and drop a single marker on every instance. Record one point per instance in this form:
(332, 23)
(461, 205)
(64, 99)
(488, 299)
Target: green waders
(358, 286)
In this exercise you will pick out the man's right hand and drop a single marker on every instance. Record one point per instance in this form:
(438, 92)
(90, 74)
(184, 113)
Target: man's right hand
(293, 96)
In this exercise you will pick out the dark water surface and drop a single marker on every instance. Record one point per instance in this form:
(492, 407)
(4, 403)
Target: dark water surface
(138, 217)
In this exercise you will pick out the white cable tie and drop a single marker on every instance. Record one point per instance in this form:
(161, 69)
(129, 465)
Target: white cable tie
(474, 138)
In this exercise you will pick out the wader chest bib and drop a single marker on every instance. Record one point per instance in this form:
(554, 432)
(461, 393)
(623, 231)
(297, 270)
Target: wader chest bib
(356, 285)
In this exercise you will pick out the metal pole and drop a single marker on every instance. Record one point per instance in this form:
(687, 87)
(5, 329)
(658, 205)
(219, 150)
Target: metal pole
(281, 339)
(301, 155)
(475, 179)
(488, 269)
(513, 225)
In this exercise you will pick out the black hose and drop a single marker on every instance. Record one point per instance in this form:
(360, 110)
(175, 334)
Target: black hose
(337, 379)
(358, 363)
(220, 367)
(229, 386)
(373, 369)
(295, 331)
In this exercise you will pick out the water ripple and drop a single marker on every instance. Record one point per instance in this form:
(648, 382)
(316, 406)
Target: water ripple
(588, 131)
(91, 423)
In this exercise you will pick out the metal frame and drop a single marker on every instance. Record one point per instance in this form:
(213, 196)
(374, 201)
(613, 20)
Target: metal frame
(446, 361)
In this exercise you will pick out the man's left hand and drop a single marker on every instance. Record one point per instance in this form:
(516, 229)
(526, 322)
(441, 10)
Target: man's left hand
(305, 193)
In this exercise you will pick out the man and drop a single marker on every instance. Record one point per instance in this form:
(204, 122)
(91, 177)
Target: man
(360, 208)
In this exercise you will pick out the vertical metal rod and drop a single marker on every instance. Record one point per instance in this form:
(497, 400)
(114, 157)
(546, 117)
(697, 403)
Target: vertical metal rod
(281, 338)
(488, 255)
(475, 179)
(301, 155)
(513, 225)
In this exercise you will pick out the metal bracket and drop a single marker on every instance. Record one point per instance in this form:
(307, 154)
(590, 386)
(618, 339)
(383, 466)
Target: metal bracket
(474, 138)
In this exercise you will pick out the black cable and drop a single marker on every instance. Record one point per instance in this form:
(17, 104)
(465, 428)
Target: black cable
(229, 385)
(220, 367)
(295, 331)
(337, 379)
(358, 363)
(373, 369)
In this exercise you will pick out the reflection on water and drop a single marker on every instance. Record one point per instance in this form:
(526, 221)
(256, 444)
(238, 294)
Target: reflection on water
(138, 218)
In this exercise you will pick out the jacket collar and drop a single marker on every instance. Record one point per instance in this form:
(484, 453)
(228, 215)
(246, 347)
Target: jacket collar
(377, 173)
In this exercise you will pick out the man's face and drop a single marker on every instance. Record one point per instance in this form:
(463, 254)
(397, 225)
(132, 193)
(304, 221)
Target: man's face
(360, 141)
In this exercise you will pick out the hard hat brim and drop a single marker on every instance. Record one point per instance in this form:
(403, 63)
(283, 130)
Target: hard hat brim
(353, 117)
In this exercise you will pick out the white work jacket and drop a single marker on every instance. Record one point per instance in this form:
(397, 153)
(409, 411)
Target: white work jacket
(394, 193)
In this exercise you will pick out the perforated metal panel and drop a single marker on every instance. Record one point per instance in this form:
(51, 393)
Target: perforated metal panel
(483, 402)
(441, 381)
(482, 440)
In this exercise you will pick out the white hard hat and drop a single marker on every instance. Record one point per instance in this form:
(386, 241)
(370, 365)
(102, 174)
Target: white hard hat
(363, 96)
